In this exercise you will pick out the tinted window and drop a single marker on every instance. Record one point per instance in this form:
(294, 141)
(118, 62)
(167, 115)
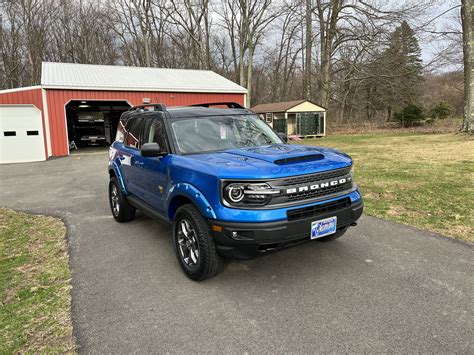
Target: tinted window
(203, 134)
(134, 127)
(154, 132)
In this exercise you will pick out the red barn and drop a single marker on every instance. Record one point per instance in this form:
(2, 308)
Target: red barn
(80, 104)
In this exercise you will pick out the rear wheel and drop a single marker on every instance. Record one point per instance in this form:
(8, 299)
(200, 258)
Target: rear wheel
(121, 209)
(194, 244)
(331, 237)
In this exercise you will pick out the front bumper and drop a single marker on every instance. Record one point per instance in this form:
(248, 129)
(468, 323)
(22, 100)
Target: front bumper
(247, 240)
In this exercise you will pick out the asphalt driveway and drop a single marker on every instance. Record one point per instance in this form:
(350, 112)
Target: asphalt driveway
(382, 287)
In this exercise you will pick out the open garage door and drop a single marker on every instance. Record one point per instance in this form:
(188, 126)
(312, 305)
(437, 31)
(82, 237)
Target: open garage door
(21, 134)
(93, 123)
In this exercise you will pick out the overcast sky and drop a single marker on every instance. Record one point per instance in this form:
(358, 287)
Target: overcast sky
(443, 16)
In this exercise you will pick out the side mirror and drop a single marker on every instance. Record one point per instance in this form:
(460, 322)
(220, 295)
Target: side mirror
(151, 150)
(284, 137)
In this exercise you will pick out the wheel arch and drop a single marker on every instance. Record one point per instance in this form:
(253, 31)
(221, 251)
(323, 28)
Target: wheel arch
(184, 193)
(114, 171)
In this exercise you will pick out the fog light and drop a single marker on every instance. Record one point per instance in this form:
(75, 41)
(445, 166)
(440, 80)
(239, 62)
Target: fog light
(240, 235)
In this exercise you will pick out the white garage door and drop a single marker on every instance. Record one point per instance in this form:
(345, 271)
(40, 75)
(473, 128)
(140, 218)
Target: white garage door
(21, 134)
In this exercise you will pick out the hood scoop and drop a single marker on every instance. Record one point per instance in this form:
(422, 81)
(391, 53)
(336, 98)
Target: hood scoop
(280, 154)
(299, 159)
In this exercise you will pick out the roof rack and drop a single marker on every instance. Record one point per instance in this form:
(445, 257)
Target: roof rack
(156, 107)
(228, 104)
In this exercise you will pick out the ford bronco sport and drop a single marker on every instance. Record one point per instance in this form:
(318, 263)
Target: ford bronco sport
(230, 185)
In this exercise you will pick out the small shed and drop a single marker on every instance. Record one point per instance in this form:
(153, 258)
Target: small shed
(301, 117)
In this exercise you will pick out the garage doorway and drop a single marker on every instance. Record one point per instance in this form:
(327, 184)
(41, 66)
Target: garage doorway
(21, 134)
(91, 124)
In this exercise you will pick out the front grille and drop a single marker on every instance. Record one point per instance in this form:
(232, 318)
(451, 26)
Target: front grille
(307, 195)
(307, 188)
(306, 179)
(307, 212)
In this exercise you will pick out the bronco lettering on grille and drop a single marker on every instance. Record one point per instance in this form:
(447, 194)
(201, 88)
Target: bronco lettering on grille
(321, 185)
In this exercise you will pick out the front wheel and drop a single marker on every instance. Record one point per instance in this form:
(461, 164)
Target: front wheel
(121, 209)
(194, 244)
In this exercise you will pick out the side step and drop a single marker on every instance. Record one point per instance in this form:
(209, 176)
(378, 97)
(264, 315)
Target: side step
(147, 209)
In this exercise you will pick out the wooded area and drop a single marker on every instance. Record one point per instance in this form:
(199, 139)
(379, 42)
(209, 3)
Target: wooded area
(361, 59)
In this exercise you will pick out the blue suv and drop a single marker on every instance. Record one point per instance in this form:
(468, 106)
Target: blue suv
(229, 185)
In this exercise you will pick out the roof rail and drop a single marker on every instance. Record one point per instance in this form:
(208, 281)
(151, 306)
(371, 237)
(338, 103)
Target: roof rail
(228, 104)
(156, 107)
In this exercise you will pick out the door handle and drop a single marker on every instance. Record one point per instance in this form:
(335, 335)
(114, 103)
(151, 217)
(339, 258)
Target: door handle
(138, 164)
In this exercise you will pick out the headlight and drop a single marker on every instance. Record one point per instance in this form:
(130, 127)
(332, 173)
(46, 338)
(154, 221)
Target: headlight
(242, 193)
(235, 193)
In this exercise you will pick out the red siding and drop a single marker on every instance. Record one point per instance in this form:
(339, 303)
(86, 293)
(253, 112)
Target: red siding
(57, 99)
(26, 97)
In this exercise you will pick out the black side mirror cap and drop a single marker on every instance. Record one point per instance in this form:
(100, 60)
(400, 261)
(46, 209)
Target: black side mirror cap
(151, 150)
(284, 137)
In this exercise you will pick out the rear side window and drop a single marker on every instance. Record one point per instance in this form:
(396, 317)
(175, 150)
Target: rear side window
(133, 127)
(121, 131)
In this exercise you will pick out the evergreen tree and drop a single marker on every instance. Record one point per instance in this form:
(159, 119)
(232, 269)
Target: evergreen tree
(398, 71)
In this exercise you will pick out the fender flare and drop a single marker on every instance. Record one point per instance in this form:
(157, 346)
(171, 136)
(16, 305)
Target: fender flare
(118, 174)
(192, 193)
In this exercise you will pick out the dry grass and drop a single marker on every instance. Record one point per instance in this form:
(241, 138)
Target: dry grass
(448, 125)
(34, 288)
(424, 180)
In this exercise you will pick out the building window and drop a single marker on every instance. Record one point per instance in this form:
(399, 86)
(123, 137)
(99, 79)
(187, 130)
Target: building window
(9, 133)
(269, 117)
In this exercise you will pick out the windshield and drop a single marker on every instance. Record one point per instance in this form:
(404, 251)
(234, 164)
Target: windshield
(204, 134)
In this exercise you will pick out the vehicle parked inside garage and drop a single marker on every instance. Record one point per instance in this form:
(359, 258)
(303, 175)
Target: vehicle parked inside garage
(93, 123)
(230, 186)
(89, 128)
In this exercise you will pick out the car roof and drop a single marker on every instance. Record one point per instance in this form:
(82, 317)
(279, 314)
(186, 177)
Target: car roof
(177, 112)
(197, 111)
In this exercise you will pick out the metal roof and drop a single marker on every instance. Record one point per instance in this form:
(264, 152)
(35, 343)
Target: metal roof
(279, 106)
(276, 106)
(7, 91)
(115, 77)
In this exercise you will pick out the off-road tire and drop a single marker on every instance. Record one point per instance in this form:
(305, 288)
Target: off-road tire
(126, 211)
(334, 236)
(209, 263)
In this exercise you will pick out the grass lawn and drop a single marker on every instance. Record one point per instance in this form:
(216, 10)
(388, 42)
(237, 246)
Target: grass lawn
(34, 285)
(424, 180)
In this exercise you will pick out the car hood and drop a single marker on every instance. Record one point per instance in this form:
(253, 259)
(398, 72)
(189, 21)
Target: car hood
(274, 161)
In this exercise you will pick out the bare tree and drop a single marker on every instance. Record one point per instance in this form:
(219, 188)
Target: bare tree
(141, 29)
(326, 50)
(308, 73)
(37, 23)
(467, 17)
(281, 63)
(11, 45)
(342, 22)
(192, 17)
(246, 22)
